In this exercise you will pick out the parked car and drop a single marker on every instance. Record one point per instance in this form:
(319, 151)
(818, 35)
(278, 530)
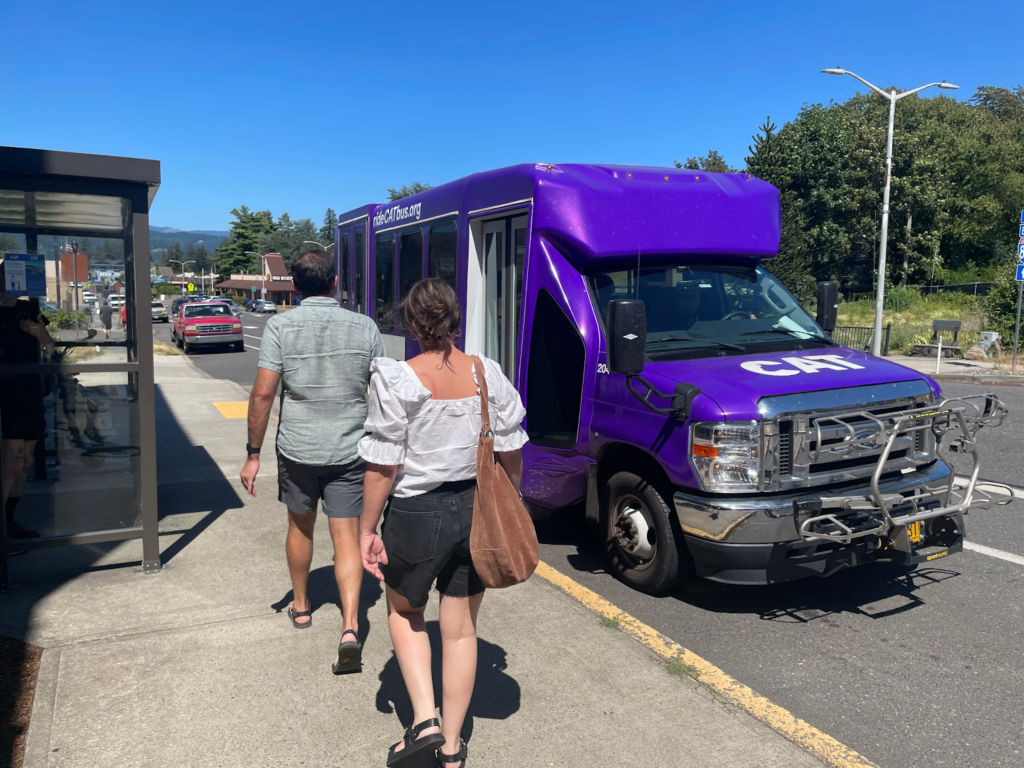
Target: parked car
(160, 312)
(249, 303)
(265, 306)
(204, 323)
(116, 300)
(229, 301)
(89, 296)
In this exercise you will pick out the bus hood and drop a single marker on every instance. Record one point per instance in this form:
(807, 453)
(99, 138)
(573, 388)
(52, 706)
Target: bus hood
(737, 383)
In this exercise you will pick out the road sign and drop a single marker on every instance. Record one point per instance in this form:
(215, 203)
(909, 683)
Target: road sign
(1022, 217)
(1020, 273)
(253, 289)
(1020, 251)
(1022, 231)
(191, 288)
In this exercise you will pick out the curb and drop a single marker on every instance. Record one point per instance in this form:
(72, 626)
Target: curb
(803, 734)
(979, 378)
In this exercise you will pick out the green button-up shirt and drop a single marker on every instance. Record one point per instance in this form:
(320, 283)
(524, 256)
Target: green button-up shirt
(323, 354)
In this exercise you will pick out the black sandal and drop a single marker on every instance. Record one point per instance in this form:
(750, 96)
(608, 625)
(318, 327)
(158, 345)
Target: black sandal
(293, 615)
(350, 655)
(458, 757)
(418, 752)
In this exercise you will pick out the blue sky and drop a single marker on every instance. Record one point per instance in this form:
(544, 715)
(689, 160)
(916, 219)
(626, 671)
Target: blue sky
(299, 106)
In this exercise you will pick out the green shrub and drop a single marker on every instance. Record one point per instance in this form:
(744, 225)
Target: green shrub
(900, 299)
(1001, 306)
(65, 319)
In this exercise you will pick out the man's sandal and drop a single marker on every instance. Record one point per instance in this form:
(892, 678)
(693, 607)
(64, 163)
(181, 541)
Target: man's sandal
(293, 615)
(458, 757)
(418, 752)
(350, 655)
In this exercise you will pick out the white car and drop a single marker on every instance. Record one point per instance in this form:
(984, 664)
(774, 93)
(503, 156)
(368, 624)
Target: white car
(89, 297)
(116, 301)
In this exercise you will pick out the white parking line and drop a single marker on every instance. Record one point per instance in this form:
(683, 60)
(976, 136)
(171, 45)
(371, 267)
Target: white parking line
(250, 336)
(1018, 493)
(250, 346)
(250, 327)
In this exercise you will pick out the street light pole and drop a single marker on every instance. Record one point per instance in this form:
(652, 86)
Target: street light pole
(263, 257)
(893, 97)
(182, 263)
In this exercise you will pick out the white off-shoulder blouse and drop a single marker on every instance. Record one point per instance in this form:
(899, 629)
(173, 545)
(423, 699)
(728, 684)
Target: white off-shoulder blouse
(434, 441)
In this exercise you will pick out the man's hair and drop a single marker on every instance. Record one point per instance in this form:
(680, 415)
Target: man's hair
(313, 274)
(432, 313)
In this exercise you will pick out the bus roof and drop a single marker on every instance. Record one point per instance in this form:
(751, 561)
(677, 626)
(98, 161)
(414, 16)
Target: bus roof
(604, 212)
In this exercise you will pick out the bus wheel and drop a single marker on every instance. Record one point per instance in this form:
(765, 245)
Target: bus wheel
(639, 539)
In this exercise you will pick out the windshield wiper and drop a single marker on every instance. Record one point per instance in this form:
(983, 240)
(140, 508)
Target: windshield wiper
(804, 335)
(722, 344)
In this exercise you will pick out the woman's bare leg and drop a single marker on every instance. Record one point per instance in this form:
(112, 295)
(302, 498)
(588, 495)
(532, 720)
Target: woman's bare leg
(412, 647)
(458, 671)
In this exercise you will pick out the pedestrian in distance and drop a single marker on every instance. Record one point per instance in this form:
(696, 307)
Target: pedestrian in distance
(320, 354)
(106, 315)
(124, 316)
(423, 431)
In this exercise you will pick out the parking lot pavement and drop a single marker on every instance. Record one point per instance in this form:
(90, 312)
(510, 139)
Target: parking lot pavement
(224, 362)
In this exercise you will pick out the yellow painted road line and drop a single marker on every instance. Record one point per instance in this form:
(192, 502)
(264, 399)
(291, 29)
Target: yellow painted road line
(233, 410)
(819, 744)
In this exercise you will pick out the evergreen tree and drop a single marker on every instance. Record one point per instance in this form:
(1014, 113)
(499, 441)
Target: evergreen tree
(327, 231)
(246, 231)
(767, 161)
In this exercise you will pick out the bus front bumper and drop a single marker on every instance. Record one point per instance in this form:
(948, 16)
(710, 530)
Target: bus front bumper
(756, 539)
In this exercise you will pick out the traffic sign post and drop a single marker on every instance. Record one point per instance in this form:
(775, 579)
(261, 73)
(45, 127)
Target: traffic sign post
(191, 288)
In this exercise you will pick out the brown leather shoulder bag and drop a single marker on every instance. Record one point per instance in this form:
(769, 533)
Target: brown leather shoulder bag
(503, 541)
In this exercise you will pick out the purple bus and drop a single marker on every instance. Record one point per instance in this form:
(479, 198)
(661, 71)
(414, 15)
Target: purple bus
(673, 386)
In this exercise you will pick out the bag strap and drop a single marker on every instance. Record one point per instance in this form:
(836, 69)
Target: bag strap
(481, 382)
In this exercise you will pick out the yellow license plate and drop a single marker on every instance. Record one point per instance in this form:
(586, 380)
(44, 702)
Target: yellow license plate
(914, 532)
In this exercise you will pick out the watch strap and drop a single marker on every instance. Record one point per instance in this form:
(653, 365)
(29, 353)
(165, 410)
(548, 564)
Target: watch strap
(252, 451)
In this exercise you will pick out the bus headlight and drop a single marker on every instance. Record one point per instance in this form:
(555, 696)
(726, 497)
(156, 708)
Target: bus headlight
(726, 456)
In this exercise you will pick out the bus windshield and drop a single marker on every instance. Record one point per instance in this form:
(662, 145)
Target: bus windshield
(709, 307)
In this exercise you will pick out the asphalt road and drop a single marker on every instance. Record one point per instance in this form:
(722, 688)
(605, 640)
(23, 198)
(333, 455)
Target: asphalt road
(910, 667)
(224, 362)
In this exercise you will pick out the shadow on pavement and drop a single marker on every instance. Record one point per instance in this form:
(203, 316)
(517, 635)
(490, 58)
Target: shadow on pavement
(36, 574)
(875, 590)
(322, 590)
(496, 695)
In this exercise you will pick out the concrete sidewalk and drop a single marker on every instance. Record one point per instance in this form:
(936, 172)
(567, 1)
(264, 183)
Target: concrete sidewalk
(199, 666)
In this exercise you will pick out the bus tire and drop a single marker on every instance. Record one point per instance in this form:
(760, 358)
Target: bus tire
(639, 537)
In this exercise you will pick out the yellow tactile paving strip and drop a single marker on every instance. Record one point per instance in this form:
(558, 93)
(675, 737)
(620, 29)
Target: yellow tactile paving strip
(819, 744)
(238, 409)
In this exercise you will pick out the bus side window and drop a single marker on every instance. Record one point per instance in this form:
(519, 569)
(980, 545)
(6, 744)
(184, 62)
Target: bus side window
(343, 288)
(441, 252)
(410, 264)
(384, 284)
(554, 388)
(359, 281)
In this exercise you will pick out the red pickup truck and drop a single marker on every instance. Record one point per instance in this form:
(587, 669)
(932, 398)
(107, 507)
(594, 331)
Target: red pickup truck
(203, 323)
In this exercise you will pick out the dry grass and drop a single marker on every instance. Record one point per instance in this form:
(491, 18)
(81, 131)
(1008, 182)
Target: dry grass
(165, 350)
(912, 323)
(19, 664)
(81, 354)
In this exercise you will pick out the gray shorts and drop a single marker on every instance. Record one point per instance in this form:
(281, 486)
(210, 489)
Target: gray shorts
(340, 486)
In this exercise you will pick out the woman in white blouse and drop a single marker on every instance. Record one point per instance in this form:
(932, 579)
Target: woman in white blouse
(422, 429)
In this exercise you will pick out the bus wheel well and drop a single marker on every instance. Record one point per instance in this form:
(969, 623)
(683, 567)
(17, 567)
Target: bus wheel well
(622, 457)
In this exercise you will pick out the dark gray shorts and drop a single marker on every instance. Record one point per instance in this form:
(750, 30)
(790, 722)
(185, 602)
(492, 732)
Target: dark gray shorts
(300, 486)
(426, 537)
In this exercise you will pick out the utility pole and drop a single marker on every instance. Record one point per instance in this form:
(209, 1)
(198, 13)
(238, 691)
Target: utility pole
(935, 260)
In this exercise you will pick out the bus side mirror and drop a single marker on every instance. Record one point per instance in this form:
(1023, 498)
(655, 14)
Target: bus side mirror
(627, 336)
(828, 306)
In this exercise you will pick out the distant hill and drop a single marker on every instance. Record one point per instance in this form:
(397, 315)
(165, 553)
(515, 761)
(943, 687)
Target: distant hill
(162, 237)
(173, 231)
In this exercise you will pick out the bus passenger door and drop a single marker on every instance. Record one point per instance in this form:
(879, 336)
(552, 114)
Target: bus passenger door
(343, 292)
(504, 259)
(358, 268)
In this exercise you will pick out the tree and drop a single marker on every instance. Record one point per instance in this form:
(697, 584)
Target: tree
(173, 254)
(768, 161)
(412, 189)
(712, 162)
(246, 231)
(201, 257)
(330, 226)
(289, 238)
(8, 244)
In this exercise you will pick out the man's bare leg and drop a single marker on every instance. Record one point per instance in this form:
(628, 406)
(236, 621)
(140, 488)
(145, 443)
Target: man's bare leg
(299, 551)
(348, 569)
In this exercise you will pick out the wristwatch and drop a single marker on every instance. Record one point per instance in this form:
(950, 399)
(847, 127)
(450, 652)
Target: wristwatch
(252, 451)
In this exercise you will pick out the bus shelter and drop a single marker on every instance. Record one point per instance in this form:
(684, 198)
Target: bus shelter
(74, 238)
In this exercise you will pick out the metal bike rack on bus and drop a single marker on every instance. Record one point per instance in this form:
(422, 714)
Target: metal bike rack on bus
(845, 519)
